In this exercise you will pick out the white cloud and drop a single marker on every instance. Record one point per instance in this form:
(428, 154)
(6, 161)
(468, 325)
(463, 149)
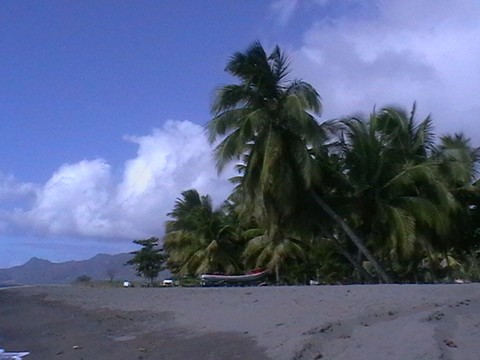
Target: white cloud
(83, 199)
(169, 161)
(284, 10)
(11, 188)
(405, 51)
(74, 201)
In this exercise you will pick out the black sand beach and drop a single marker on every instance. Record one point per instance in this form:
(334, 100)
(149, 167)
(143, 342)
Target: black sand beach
(55, 330)
(404, 322)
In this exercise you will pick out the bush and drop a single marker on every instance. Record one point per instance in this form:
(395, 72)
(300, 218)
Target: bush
(83, 279)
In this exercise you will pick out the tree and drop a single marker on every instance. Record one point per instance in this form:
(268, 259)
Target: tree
(269, 123)
(262, 252)
(266, 121)
(458, 163)
(83, 279)
(200, 239)
(399, 200)
(111, 272)
(148, 261)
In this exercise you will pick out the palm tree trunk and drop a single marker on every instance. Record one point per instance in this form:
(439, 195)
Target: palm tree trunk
(277, 274)
(361, 270)
(355, 239)
(476, 268)
(431, 268)
(449, 268)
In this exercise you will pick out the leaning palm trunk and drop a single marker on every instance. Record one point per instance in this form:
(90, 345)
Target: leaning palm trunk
(277, 274)
(361, 270)
(355, 239)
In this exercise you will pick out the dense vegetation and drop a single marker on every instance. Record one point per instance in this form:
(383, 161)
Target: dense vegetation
(377, 199)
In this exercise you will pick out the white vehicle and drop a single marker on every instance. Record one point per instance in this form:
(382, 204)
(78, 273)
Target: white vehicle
(167, 282)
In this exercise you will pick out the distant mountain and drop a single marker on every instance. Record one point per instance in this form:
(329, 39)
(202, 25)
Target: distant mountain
(39, 271)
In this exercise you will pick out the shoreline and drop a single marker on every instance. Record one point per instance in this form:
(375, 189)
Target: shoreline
(361, 322)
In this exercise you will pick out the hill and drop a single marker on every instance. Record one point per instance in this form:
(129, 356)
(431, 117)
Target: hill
(39, 271)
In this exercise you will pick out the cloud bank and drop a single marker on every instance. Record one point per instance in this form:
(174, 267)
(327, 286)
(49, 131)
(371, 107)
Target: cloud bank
(86, 199)
(364, 54)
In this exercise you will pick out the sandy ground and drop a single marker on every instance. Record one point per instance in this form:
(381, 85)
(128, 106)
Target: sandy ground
(403, 322)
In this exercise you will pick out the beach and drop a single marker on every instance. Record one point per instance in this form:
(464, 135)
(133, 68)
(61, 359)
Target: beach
(360, 322)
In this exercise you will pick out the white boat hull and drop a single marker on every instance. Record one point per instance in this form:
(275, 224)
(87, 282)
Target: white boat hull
(214, 279)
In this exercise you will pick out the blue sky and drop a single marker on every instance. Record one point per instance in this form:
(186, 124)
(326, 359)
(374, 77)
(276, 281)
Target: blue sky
(102, 103)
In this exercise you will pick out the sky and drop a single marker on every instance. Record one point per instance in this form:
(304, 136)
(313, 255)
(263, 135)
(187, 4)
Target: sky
(103, 103)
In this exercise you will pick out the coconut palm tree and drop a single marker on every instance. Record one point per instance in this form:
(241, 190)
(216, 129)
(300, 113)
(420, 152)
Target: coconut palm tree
(262, 252)
(400, 201)
(200, 239)
(458, 162)
(267, 121)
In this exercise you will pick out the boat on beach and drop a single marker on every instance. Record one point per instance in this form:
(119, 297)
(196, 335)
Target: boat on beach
(12, 355)
(254, 277)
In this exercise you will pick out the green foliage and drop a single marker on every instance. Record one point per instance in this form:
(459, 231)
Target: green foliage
(200, 239)
(394, 182)
(149, 260)
(347, 200)
(266, 121)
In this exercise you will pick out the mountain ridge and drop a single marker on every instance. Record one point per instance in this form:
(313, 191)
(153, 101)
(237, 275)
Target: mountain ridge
(40, 271)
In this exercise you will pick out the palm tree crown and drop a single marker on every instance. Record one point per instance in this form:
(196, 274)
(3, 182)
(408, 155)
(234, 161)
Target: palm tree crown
(267, 122)
(198, 238)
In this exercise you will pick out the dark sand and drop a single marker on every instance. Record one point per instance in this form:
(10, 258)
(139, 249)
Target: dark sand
(54, 330)
(404, 322)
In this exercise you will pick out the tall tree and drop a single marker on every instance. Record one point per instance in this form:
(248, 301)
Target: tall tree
(267, 121)
(400, 201)
(458, 162)
(149, 260)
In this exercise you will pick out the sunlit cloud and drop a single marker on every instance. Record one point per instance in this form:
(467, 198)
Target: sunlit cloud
(83, 199)
(406, 51)
(74, 201)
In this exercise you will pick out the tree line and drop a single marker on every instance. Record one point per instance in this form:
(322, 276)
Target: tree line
(357, 199)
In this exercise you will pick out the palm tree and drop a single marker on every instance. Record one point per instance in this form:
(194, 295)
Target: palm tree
(200, 239)
(262, 252)
(400, 202)
(458, 162)
(266, 121)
